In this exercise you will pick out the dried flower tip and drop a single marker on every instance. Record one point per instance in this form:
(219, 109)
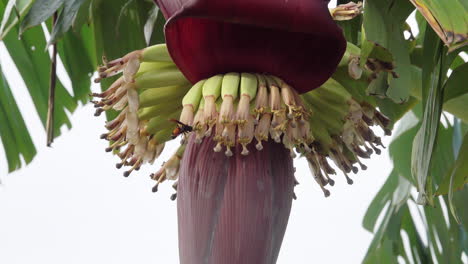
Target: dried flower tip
(210, 110)
(130, 61)
(130, 69)
(378, 142)
(259, 145)
(209, 130)
(117, 121)
(218, 147)
(112, 90)
(354, 68)
(245, 151)
(289, 99)
(363, 167)
(325, 165)
(155, 188)
(361, 153)
(98, 112)
(246, 134)
(348, 179)
(261, 100)
(230, 139)
(381, 119)
(346, 11)
(340, 161)
(288, 138)
(171, 167)
(243, 110)
(159, 176)
(226, 113)
(135, 166)
(377, 150)
(127, 153)
(369, 151)
(116, 145)
(200, 132)
(261, 131)
(228, 152)
(275, 135)
(140, 147)
(330, 180)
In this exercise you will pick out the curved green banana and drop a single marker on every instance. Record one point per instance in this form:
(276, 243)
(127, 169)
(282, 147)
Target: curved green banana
(161, 122)
(156, 53)
(194, 95)
(156, 96)
(160, 78)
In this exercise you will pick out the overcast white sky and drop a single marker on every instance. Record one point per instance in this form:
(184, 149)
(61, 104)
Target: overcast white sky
(72, 206)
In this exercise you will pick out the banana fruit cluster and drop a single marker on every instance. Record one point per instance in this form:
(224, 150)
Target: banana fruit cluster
(147, 96)
(156, 101)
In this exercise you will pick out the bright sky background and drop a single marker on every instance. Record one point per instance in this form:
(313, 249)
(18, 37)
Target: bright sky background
(71, 205)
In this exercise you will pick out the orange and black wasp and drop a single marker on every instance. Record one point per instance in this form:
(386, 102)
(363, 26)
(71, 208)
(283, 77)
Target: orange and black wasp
(180, 129)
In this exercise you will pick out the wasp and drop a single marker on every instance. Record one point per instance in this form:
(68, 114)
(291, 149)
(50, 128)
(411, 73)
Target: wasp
(180, 129)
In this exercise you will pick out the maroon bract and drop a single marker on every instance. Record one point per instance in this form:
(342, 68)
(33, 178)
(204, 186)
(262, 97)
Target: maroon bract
(296, 40)
(233, 209)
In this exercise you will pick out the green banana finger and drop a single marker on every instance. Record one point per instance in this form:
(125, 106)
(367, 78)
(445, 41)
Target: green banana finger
(321, 135)
(163, 135)
(248, 85)
(336, 110)
(162, 121)
(211, 92)
(156, 53)
(333, 125)
(160, 78)
(333, 91)
(230, 85)
(156, 96)
(159, 109)
(194, 95)
(212, 86)
(154, 66)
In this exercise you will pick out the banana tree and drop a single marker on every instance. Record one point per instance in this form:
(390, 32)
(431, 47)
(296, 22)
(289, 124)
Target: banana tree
(247, 86)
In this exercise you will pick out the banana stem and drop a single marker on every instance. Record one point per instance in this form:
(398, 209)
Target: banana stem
(52, 85)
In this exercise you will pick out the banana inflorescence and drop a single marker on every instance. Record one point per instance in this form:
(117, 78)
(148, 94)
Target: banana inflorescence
(156, 104)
